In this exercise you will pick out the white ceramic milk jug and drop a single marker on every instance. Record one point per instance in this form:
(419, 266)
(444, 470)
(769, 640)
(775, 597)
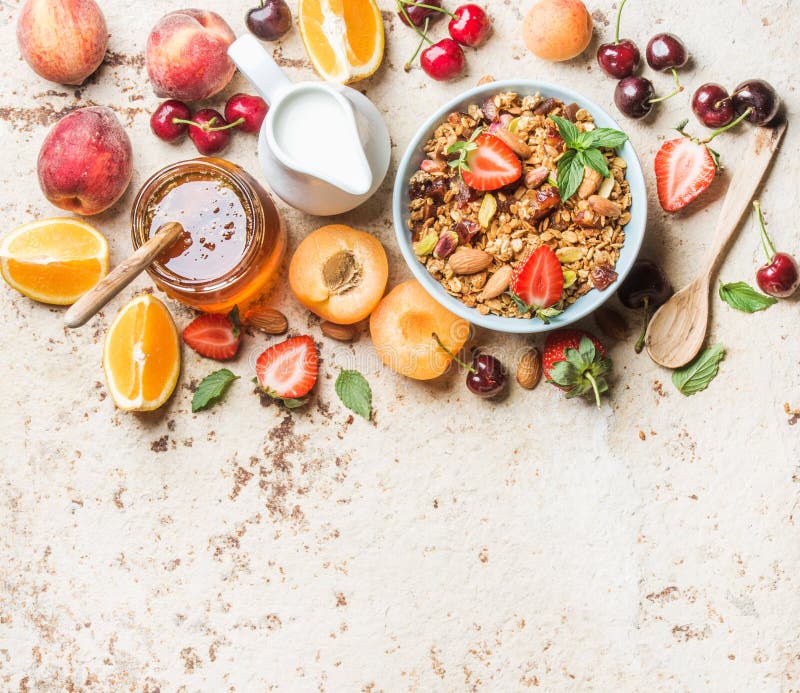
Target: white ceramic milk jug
(324, 148)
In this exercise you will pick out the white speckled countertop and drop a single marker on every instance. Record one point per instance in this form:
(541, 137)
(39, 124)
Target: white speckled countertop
(454, 545)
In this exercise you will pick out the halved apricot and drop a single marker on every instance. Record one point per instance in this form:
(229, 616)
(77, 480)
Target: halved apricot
(402, 328)
(339, 273)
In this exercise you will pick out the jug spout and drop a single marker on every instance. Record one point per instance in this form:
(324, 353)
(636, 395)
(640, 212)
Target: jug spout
(258, 66)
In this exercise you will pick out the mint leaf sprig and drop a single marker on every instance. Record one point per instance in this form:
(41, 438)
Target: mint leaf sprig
(211, 389)
(583, 149)
(744, 297)
(463, 149)
(697, 375)
(355, 393)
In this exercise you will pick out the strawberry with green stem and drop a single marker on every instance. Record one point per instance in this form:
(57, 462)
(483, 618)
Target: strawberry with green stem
(575, 361)
(485, 162)
(537, 284)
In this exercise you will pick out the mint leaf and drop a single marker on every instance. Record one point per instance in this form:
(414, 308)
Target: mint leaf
(744, 297)
(570, 174)
(211, 389)
(593, 158)
(568, 130)
(697, 375)
(606, 137)
(355, 393)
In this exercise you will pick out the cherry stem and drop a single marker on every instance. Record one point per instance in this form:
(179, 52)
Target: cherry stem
(678, 89)
(595, 388)
(430, 7)
(451, 354)
(407, 66)
(733, 124)
(766, 241)
(401, 7)
(619, 18)
(209, 126)
(640, 342)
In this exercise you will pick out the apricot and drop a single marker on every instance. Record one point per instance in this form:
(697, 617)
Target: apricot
(62, 41)
(86, 161)
(557, 29)
(339, 273)
(402, 329)
(187, 55)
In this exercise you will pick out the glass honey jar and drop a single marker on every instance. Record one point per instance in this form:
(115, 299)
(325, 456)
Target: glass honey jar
(234, 239)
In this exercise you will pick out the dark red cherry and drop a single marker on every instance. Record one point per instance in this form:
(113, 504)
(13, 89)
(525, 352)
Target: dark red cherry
(250, 110)
(633, 96)
(487, 377)
(666, 52)
(471, 26)
(713, 105)
(761, 97)
(418, 14)
(646, 287)
(779, 277)
(211, 133)
(165, 121)
(619, 59)
(443, 60)
(271, 20)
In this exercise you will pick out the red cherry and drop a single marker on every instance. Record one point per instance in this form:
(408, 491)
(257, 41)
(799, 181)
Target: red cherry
(779, 277)
(163, 121)
(418, 14)
(619, 59)
(210, 132)
(250, 110)
(470, 26)
(443, 60)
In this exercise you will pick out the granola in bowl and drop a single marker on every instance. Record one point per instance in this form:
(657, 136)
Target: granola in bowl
(474, 241)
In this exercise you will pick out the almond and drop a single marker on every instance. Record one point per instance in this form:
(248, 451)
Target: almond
(536, 176)
(529, 369)
(497, 283)
(469, 261)
(341, 333)
(486, 79)
(268, 320)
(514, 142)
(604, 207)
(591, 181)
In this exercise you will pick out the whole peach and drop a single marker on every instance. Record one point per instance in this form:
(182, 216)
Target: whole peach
(86, 162)
(187, 55)
(557, 29)
(62, 41)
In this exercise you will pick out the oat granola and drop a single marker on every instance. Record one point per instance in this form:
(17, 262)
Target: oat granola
(586, 231)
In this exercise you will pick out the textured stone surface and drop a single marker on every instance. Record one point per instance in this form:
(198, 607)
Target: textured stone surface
(455, 544)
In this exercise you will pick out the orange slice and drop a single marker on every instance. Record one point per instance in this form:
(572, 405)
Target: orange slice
(54, 260)
(141, 355)
(343, 38)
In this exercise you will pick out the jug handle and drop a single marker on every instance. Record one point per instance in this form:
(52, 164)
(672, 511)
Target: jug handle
(258, 66)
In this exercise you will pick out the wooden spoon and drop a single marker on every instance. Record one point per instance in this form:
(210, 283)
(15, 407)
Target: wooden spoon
(678, 329)
(122, 275)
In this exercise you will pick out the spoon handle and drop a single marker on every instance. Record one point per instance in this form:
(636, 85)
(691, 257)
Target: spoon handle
(743, 187)
(122, 275)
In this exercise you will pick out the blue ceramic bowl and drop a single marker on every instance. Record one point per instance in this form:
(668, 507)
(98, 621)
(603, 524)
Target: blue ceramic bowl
(586, 304)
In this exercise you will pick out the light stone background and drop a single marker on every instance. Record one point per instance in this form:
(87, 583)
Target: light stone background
(454, 544)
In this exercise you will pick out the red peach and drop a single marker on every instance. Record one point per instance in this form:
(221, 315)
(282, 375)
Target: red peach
(62, 41)
(187, 55)
(86, 161)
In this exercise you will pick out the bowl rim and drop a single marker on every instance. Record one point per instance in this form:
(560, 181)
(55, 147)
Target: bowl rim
(634, 230)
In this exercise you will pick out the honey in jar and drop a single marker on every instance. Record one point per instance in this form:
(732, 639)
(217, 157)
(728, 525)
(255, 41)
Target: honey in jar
(233, 242)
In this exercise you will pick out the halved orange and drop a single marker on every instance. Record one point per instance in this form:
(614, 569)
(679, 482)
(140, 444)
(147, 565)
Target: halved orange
(343, 38)
(54, 260)
(142, 355)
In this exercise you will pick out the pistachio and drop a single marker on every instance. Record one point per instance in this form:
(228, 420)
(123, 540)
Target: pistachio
(536, 176)
(569, 254)
(604, 207)
(447, 243)
(487, 211)
(425, 245)
(497, 283)
(514, 142)
(529, 369)
(469, 261)
(513, 125)
(569, 278)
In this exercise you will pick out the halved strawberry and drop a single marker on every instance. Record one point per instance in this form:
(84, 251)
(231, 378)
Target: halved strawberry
(287, 371)
(538, 282)
(215, 336)
(486, 162)
(575, 361)
(684, 169)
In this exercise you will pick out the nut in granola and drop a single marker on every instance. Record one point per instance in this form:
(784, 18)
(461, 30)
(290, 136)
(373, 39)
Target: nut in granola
(497, 283)
(604, 207)
(529, 369)
(469, 261)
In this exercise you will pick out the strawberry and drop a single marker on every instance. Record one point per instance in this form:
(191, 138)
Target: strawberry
(685, 167)
(576, 362)
(485, 161)
(215, 336)
(287, 371)
(537, 283)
